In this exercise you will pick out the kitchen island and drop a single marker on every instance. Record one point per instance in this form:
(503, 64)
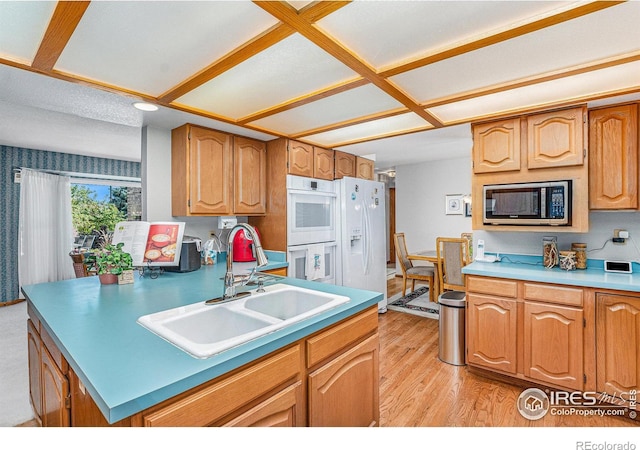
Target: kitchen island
(566, 330)
(86, 335)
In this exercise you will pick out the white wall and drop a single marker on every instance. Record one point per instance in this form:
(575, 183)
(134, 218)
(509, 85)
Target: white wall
(420, 201)
(601, 226)
(420, 214)
(156, 185)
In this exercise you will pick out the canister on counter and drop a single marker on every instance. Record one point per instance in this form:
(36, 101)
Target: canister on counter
(550, 251)
(568, 260)
(581, 254)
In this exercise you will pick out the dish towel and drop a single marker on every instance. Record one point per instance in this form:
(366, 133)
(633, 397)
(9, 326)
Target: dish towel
(315, 261)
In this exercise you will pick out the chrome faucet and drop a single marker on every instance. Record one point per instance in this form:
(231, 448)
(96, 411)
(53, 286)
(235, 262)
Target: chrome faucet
(261, 259)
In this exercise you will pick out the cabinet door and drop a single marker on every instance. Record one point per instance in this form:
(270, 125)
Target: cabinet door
(344, 392)
(300, 159)
(496, 146)
(283, 409)
(210, 172)
(55, 390)
(491, 332)
(364, 168)
(618, 344)
(250, 176)
(553, 344)
(345, 165)
(34, 348)
(613, 158)
(322, 163)
(556, 139)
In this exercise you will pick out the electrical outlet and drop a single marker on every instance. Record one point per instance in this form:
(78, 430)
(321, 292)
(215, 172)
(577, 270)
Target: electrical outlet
(212, 234)
(620, 236)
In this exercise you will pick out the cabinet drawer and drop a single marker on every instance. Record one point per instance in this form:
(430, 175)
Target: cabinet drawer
(553, 294)
(56, 354)
(213, 402)
(281, 410)
(492, 286)
(341, 336)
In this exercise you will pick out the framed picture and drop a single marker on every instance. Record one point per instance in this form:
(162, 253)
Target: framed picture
(467, 209)
(454, 204)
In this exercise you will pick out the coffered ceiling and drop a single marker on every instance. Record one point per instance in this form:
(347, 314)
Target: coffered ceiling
(383, 78)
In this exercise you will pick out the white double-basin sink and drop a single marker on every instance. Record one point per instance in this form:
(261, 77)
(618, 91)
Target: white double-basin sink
(204, 330)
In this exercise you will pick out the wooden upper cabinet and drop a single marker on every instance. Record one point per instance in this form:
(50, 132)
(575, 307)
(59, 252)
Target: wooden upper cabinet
(496, 146)
(364, 168)
(323, 163)
(613, 157)
(556, 138)
(345, 165)
(301, 159)
(201, 171)
(249, 176)
(215, 173)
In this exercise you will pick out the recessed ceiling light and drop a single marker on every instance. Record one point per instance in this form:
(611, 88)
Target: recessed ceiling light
(145, 106)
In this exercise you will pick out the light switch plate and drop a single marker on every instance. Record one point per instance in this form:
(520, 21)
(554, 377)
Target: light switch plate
(618, 266)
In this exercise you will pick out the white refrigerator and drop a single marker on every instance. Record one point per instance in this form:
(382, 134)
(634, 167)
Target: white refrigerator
(362, 236)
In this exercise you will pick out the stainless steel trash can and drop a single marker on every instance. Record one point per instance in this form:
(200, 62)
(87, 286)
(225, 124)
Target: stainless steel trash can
(451, 331)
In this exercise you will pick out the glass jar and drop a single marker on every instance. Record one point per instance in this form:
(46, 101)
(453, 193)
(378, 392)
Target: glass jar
(581, 254)
(568, 260)
(550, 251)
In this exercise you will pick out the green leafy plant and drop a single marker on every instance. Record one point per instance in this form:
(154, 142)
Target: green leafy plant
(110, 258)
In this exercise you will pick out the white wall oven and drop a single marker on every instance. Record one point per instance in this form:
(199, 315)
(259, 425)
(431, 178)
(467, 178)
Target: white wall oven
(311, 229)
(311, 210)
(301, 262)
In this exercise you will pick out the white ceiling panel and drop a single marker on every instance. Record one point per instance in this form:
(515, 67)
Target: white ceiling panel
(150, 47)
(561, 46)
(289, 69)
(357, 102)
(602, 81)
(388, 32)
(380, 127)
(22, 25)
(448, 142)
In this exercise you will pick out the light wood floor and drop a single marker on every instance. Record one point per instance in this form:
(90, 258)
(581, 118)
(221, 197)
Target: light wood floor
(418, 390)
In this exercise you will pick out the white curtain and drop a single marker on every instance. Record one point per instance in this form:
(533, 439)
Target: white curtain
(45, 228)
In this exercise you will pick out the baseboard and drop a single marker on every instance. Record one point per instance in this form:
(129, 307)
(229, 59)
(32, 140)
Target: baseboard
(12, 302)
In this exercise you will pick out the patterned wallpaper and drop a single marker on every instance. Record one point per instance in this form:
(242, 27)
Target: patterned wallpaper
(14, 157)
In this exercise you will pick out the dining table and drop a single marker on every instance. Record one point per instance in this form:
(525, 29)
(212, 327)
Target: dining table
(432, 257)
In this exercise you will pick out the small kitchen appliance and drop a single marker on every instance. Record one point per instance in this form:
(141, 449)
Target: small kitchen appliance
(243, 247)
(190, 257)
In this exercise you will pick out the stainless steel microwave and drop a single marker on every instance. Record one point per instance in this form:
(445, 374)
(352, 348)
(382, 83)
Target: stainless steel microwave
(541, 203)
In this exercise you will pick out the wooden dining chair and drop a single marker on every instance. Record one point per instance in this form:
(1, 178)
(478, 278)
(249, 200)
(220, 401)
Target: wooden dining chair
(411, 272)
(453, 255)
(469, 238)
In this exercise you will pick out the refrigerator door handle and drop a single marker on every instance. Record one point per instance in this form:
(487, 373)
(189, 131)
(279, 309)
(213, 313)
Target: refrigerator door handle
(366, 236)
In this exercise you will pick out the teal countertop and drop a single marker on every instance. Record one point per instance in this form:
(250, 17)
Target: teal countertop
(127, 368)
(531, 269)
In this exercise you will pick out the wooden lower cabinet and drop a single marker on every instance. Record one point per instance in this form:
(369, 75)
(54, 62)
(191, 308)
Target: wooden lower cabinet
(280, 410)
(329, 378)
(553, 344)
(491, 332)
(48, 384)
(344, 392)
(618, 345)
(535, 332)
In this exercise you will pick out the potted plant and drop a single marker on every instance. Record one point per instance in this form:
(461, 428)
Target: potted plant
(111, 262)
